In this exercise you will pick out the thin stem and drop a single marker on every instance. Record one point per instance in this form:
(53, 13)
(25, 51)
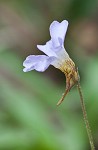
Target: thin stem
(85, 118)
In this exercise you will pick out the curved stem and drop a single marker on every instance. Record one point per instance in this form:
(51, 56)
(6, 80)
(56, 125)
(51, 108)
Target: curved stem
(63, 96)
(85, 118)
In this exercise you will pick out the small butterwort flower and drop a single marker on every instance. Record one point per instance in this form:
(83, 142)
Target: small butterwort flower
(56, 55)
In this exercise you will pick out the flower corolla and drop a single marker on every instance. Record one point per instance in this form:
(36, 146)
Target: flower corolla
(56, 54)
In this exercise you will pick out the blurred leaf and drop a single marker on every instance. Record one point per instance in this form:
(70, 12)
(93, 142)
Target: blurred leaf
(10, 139)
(79, 9)
(24, 110)
(91, 91)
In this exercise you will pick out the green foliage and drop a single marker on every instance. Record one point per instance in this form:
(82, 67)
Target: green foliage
(79, 9)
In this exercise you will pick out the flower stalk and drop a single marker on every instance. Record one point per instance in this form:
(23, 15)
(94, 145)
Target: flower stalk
(85, 117)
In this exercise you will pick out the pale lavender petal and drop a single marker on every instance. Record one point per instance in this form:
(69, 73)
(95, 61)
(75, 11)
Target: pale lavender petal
(37, 62)
(48, 48)
(55, 45)
(58, 31)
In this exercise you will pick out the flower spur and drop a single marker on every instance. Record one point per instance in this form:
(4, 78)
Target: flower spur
(56, 55)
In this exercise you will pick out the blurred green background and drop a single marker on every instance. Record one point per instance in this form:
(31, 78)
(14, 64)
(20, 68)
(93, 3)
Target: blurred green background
(29, 117)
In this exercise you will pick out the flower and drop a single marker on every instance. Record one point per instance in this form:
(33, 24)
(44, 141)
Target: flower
(54, 49)
(56, 55)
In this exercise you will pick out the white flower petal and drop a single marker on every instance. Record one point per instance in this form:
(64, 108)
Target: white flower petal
(58, 30)
(37, 62)
(56, 44)
(48, 48)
